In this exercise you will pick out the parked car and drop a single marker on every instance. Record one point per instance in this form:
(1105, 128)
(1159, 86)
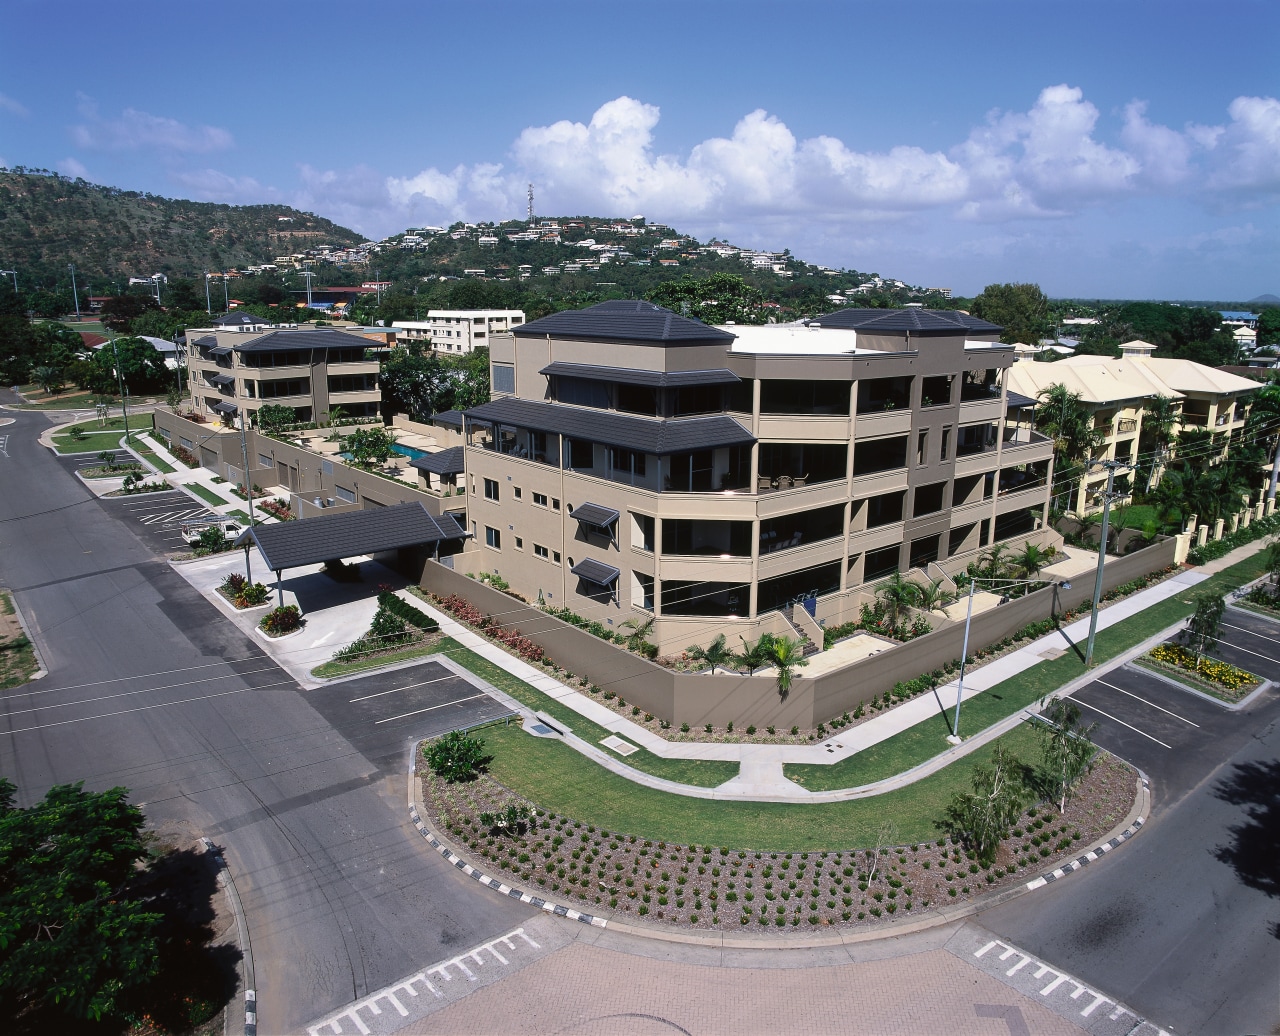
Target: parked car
(191, 531)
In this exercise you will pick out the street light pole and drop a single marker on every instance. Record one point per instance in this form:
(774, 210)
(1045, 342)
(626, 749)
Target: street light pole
(226, 295)
(208, 302)
(74, 293)
(248, 489)
(1111, 467)
(124, 403)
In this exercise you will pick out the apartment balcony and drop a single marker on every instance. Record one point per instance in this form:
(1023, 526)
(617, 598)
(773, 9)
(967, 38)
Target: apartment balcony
(1126, 426)
(1028, 496)
(879, 482)
(963, 514)
(889, 422)
(1024, 453)
(718, 569)
(974, 463)
(882, 536)
(364, 396)
(981, 410)
(781, 501)
(1195, 420)
(358, 367)
(807, 427)
(802, 555)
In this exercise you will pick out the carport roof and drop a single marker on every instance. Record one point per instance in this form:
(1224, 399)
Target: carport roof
(329, 537)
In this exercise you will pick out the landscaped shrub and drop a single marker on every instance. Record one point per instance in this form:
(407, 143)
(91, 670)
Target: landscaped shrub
(278, 509)
(387, 628)
(456, 756)
(1227, 676)
(404, 610)
(279, 621)
(184, 456)
(251, 595)
(490, 627)
(233, 584)
(1217, 548)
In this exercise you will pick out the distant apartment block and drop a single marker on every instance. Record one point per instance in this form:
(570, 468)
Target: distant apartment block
(462, 330)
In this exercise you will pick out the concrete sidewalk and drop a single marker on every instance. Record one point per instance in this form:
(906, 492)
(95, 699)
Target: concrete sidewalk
(761, 775)
(185, 477)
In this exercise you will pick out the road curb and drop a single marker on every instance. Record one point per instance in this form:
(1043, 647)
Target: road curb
(228, 883)
(1133, 822)
(43, 671)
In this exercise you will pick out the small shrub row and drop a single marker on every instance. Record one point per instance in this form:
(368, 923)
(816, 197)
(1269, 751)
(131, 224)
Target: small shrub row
(277, 508)
(406, 612)
(1217, 548)
(1224, 675)
(282, 620)
(596, 629)
(464, 610)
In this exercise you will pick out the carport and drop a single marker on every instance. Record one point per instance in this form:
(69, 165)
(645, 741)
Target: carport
(332, 537)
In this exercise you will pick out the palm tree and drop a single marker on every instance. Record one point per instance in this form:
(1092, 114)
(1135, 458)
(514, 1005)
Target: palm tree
(932, 596)
(1193, 447)
(1031, 560)
(787, 657)
(754, 656)
(639, 629)
(1063, 417)
(897, 595)
(715, 654)
(993, 563)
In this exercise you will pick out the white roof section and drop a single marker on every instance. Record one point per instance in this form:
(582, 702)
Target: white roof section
(1104, 380)
(792, 339)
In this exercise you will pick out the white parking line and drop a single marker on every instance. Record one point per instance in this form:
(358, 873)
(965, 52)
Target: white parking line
(1145, 702)
(419, 712)
(1252, 633)
(1122, 723)
(1237, 647)
(406, 687)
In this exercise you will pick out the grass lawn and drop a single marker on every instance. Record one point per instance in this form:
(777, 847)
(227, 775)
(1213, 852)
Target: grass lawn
(1135, 516)
(146, 451)
(97, 437)
(64, 401)
(205, 494)
(925, 740)
(328, 670)
(561, 780)
(17, 655)
(704, 773)
(239, 514)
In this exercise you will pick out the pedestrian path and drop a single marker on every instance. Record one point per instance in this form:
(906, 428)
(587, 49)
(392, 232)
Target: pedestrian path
(761, 776)
(184, 476)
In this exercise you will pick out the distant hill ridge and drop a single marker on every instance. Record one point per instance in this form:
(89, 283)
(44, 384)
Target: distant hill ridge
(48, 221)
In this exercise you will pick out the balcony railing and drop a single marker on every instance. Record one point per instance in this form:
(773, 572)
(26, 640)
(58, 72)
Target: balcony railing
(1126, 424)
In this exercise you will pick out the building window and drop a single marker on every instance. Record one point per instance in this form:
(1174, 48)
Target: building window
(539, 551)
(519, 543)
(928, 499)
(491, 489)
(642, 532)
(540, 499)
(881, 563)
(922, 448)
(626, 465)
(492, 537)
(504, 378)
(642, 591)
(264, 461)
(345, 495)
(516, 491)
(555, 504)
(555, 556)
(946, 443)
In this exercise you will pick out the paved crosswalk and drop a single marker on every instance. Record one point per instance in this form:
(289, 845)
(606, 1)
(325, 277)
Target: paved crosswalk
(426, 991)
(173, 517)
(1063, 994)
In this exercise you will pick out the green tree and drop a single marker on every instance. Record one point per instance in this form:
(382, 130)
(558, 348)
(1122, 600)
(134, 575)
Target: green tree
(1031, 560)
(140, 366)
(1066, 753)
(715, 654)
(1269, 326)
(416, 385)
(49, 379)
(458, 757)
(713, 300)
(755, 654)
(272, 417)
(369, 446)
(1061, 415)
(1021, 309)
(1205, 625)
(787, 657)
(638, 629)
(932, 596)
(981, 819)
(897, 595)
(471, 380)
(73, 935)
(119, 311)
(994, 562)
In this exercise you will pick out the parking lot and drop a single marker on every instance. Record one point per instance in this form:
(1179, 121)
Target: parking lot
(156, 518)
(1176, 736)
(383, 713)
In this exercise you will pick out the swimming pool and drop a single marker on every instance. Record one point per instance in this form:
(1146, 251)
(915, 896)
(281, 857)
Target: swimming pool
(412, 452)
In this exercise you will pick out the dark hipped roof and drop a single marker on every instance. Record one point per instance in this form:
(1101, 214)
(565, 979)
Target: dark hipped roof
(239, 320)
(594, 514)
(329, 537)
(595, 572)
(207, 340)
(612, 429)
(630, 376)
(445, 462)
(1017, 399)
(947, 321)
(321, 338)
(448, 419)
(629, 321)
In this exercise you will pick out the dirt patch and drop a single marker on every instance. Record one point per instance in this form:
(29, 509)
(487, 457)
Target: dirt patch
(716, 888)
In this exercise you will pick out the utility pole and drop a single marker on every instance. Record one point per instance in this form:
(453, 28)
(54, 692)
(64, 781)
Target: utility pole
(1110, 494)
(248, 489)
(208, 302)
(226, 295)
(1275, 471)
(74, 293)
(308, 275)
(124, 402)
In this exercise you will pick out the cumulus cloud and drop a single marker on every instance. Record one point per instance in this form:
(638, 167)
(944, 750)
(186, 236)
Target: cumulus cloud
(71, 167)
(13, 107)
(138, 130)
(214, 185)
(1247, 150)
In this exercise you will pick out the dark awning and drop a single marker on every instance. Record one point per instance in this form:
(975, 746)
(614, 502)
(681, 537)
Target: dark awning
(445, 462)
(448, 419)
(595, 572)
(222, 379)
(217, 350)
(654, 379)
(594, 514)
(226, 408)
(329, 537)
(1017, 399)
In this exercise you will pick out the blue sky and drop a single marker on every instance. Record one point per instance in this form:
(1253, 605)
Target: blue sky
(1117, 149)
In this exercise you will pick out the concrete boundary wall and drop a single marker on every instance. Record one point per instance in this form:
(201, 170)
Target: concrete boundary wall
(698, 698)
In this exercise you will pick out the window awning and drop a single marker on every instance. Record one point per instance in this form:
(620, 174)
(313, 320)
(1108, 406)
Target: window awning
(217, 350)
(595, 572)
(595, 514)
(226, 408)
(222, 379)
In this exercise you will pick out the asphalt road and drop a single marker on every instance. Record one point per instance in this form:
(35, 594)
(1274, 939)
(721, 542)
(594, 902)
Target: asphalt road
(1183, 923)
(151, 689)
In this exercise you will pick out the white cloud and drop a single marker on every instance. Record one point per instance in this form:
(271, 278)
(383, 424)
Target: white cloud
(1247, 151)
(71, 167)
(213, 185)
(13, 107)
(138, 130)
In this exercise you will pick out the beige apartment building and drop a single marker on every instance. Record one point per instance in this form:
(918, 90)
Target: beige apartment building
(635, 462)
(1118, 391)
(314, 371)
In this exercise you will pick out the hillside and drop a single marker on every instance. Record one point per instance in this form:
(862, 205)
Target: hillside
(48, 221)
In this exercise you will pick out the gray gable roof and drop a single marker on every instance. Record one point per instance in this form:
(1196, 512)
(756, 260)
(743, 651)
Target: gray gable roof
(328, 537)
(947, 321)
(624, 320)
(321, 338)
(239, 320)
(445, 462)
(448, 419)
(613, 429)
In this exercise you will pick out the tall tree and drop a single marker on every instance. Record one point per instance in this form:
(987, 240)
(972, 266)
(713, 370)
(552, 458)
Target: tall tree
(1021, 309)
(1066, 752)
(1062, 416)
(714, 300)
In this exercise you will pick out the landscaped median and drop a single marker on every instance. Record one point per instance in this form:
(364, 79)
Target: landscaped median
(550, 819)
(1200, 673)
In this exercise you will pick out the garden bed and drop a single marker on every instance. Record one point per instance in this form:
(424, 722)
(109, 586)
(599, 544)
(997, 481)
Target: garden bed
(429, 644)
(118, 471)
(736, 887)
(1208, 675)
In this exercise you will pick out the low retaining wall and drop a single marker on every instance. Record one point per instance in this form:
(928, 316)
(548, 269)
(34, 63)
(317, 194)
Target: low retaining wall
(697, 699)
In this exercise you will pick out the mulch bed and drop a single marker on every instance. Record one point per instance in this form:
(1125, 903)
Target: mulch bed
(716, 888)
